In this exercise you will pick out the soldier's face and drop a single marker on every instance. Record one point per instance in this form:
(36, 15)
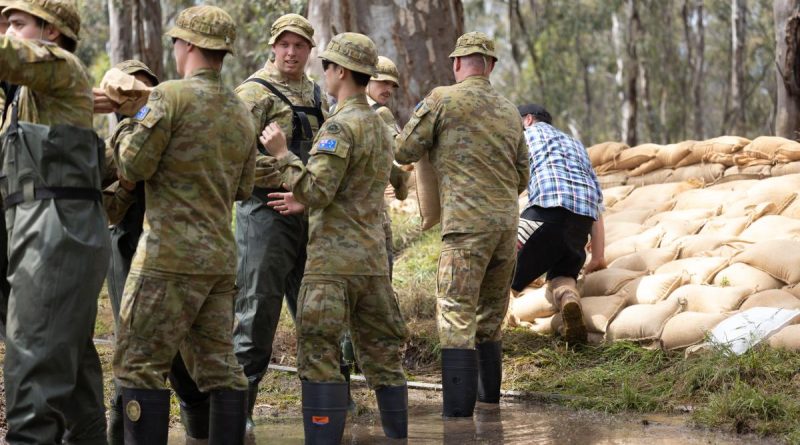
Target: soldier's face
(291, 54)
(179, 51)
(332, 79)
(381, 90)
(25, 26)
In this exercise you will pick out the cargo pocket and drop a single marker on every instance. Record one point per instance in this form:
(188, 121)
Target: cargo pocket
(454, 273)
(322, 308)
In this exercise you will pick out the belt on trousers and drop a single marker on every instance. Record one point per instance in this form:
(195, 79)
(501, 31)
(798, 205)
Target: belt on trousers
(39, 193)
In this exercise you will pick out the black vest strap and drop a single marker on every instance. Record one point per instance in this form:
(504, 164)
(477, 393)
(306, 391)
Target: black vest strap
(376, 106)
(39, 193)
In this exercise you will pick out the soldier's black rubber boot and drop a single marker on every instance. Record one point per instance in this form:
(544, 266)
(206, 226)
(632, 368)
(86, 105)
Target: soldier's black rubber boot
(393, 405)
(345, 370)
(146, 414)
(194, 417)
(459, 381)
(116, 427)
(490, 371)
(227, 418)
(252, 393)
(324, 412)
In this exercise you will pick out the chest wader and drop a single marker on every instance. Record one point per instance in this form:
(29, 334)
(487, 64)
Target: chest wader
(58, 255)
(9, 92)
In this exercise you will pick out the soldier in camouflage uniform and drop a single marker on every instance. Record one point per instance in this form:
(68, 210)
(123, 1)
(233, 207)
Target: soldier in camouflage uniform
(193, 145)
(346, 284)
(272, 244)
(124, 203)
(476, 145)
(53, 379)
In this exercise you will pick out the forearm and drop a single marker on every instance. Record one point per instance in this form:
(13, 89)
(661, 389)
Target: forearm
(598, 242)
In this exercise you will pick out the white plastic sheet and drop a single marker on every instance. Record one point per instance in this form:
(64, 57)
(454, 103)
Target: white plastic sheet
(744, 330)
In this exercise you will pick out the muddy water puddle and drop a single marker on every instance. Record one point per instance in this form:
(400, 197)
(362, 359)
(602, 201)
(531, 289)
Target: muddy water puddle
(512, 423)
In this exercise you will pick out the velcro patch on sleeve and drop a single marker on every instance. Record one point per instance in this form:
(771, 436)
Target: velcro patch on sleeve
(143, 112)
(327, 145)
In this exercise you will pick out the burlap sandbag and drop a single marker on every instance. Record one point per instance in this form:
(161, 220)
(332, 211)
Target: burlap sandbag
(671, 155)
(615, 231)
(541, 326)
(675, 230)
(779, 258)
(701, 199)
(743, 275)
(130, 93)
(772, 227)
(704, 151)
(660, 176)
(791, 168)
(767, 147)
(757, 207)
(430, 208)
(688, 328)
(605, 152)
(652, 196)
(720, 158)
(626, 246)
(646, 167)
(701, 245)
(777, 298)
(787, 338)
(627, 216)
(533, 303)
(711, 299)
(607, 282)
(642, 322)
(633, 157)
(612, 195)
(655, 288)
(725, 226)
(599, 311)
(683, 215)
(700, 270)
(705, 173)
(609, 180)
(647, 260)
(788, 152)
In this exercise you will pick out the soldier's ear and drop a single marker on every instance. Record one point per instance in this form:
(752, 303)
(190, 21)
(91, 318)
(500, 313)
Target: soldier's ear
(50, 33)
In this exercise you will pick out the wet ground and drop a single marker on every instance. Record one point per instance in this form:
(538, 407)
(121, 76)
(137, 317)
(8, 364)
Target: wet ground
(512, 423)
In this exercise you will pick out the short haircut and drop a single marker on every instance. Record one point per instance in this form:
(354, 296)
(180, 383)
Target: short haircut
(361, 79)
(474, 60)
(537, 111)
(214, 55)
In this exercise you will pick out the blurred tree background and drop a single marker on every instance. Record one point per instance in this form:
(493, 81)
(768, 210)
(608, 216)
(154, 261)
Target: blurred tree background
(632, 70)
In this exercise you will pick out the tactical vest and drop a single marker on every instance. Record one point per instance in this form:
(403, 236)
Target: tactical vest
(302, 133)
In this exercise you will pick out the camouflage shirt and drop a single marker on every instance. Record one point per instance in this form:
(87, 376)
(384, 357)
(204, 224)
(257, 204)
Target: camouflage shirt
(342, 186)
(267, 108)
(194, 146)
(398, 178)
(476, 145)
(56, 88)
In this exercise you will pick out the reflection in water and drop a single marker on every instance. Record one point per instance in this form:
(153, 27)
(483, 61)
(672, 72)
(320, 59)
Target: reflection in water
(511, 423)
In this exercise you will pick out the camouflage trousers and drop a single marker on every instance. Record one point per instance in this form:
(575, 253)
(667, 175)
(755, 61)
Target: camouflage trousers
(328, 306)
(163, 314)
(475, 271)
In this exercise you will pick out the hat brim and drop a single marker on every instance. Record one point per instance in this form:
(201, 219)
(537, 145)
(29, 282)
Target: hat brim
(42, 14)
(200, 40)
(293, 30)
(347, 63)
(386, 77)
(461, 52)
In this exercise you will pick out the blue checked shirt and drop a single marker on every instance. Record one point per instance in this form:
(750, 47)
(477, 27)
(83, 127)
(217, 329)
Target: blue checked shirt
(561, 172)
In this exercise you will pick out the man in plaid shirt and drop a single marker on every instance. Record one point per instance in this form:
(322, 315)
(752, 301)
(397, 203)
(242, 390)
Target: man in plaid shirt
(565, 207)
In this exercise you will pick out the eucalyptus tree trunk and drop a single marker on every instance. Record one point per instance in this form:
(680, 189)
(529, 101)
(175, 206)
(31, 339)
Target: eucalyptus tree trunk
(787, 59)
(136, 29)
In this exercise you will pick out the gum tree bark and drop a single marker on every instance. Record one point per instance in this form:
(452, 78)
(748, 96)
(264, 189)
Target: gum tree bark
(418, 35)
(787, 60)
(135, 32)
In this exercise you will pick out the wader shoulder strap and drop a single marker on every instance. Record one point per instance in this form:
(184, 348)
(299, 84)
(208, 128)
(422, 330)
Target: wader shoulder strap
(39, 193)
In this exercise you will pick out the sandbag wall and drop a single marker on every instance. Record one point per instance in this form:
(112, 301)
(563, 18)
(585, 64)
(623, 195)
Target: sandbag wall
(684, 256)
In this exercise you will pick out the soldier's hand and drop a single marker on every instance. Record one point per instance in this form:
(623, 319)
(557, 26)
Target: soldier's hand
(102, 103)
(285, 204)
(273, 139)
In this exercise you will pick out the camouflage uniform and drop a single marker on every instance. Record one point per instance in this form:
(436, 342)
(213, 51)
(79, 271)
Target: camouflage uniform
(53, 379)
(271, 246)
(346, 283)
(193, 145)
(476, 145)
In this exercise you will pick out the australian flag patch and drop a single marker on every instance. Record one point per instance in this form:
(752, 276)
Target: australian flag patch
(328, 145)
(142, 113)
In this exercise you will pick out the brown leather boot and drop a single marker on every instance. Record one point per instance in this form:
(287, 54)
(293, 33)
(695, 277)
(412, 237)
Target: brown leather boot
(572, 314)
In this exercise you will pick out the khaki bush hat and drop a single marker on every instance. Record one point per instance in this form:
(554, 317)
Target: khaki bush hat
(134, 66)
(474, 43)
(294, 23)
(205, 26)
(353, 51)
(386, 70)
(63, 14)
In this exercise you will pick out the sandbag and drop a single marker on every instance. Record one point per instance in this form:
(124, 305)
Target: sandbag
(723, 145)
(674, 230)
(740, 186)
(772, 227)
(791, 168)
(599, 311)
(430, 207)
(688, 328)
(654, 288)
(756, 207)
(605, 152)
(646, 167)
(724, 226)
(708, 245)
(533, 303)
(615, 231)
(788, 152)
(660, 176)
(683, 215)
(701, 199)
(705, 173)
(609, 180)
(607, 282)
(626, 246)
(711, 299)
(652, 196)
(720, 158)
(740, 274)
(787, 338)
(775, 188)
(767, 147)
(647, 260)
(754, 169)
(542, 326)
(671, 155)
(700, 270)
(636, 156)
(642, 322)
(777, 298)
(779, 258)
(627, 216)
(612, 195)
(127, 91)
